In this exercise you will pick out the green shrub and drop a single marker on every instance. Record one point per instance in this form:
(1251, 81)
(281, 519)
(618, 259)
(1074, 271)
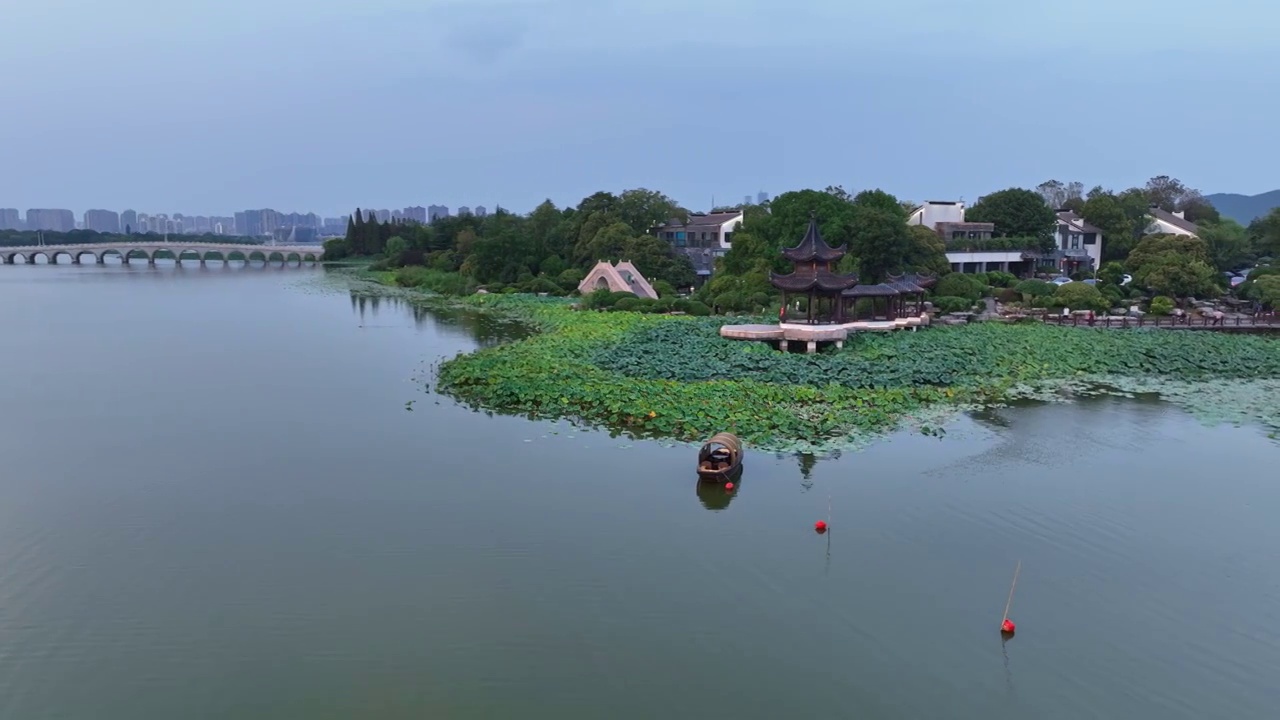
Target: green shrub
(663, 305)
(570, 278)
(663, 288)
(693, 307)
(627, 304)
(951, 303)
(1001, 279)
(442, 283)
(495, 287)
(544, 285)
(1035, 288)
(597, 299)
(960, 285)
(1080, 296)
(1008, 295)
(732, 301)
(1161, 305)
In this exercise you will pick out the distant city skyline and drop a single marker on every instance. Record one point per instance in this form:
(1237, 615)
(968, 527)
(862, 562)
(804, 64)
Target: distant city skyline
(264, 222)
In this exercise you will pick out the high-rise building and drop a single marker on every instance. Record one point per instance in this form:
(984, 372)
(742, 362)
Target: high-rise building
(481, 211)
(53, 220)
(435, 212)
(382, 215)
(746, 200)
(417, 213)
(11, 219)
(129, 221)
(762, 197)
(464, 211)
(103, 221)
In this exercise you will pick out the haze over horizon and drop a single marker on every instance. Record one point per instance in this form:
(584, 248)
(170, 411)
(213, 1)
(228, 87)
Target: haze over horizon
(213, 106)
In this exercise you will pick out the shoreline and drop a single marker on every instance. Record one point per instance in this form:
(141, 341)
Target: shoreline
(672, 378)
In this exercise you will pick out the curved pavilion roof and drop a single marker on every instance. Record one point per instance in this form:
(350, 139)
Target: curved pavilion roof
(818, 279)
(813, 248)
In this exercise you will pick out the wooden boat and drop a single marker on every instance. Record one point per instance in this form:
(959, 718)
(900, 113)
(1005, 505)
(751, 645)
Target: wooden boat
(720, 458)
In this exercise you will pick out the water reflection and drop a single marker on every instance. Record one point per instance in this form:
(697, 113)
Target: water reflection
(485, 329)
(714, 496)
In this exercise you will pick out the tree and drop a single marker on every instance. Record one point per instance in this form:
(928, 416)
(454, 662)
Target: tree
(607, 243)
(1197, 209)
(1111, 273)
(1227, 241)
(789, 218)
(1266, 290)
(1176, 265)
(1165, 192)
(879, 234)
(1016, 212)
(1058, 195)
(926, 252)
(1264, 234)
(643, 209)
(396, 247)
(1181, 278)
(1121, 218)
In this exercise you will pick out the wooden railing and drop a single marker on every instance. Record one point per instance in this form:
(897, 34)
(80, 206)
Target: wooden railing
(1169, 321)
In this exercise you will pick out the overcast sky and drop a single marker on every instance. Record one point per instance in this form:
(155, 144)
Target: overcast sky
(211, 106)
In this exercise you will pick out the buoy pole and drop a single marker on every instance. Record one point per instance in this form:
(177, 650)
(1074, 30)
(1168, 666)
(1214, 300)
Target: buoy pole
(1005, 625)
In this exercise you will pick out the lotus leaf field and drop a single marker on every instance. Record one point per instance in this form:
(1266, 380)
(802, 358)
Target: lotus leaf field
(674, 377)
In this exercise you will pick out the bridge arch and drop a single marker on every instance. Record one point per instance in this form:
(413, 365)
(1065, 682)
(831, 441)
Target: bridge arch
(309, 257)
(230, 255)
(274, 256)
(77, 254)
(102, 256)
(135, 253)
(255, 254)
(12, 258)
(31, 259)
(211, 255)
(190, 253)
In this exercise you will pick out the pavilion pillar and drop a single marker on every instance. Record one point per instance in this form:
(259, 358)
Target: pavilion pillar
(811, 347)
(782, 345)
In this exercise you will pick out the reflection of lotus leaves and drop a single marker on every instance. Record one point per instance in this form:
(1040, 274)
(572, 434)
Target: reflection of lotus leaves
(713, 495)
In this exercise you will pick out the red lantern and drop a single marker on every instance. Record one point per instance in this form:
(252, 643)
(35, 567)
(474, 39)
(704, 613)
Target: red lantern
(820, 526)
(1007, 627)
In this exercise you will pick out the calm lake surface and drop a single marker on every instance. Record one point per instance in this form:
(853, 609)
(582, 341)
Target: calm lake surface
(214, 503)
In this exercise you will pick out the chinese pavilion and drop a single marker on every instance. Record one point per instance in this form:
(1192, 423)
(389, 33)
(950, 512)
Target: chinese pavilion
(813, 276)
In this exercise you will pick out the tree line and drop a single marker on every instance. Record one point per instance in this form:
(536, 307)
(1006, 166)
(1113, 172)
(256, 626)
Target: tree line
(550, 249)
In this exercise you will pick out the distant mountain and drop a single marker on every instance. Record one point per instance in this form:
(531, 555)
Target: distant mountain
(1244, 208)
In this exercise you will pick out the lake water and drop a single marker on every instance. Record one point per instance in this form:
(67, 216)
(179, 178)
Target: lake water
(215, 502)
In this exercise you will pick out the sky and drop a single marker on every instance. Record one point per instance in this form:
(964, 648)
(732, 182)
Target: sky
(213, 106)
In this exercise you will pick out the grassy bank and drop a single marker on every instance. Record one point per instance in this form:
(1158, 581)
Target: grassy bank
(674, 377)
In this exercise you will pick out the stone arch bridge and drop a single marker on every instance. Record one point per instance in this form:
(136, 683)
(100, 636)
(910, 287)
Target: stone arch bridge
(181, 252)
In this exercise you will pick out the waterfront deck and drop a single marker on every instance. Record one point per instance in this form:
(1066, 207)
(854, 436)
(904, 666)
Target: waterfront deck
(811, 335)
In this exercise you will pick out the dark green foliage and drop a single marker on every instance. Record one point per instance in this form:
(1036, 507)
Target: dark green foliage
(960, 285)
(1016, 212)
(951, 303)
(1035, 288)
(997, 278)
(1080, 296)
(1161, 305)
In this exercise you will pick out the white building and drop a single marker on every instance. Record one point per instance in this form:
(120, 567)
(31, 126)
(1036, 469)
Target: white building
(1078, 244)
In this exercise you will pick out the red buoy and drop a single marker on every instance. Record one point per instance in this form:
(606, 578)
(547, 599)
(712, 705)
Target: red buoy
(820, 526)
(1007, 627)
(728, 487)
